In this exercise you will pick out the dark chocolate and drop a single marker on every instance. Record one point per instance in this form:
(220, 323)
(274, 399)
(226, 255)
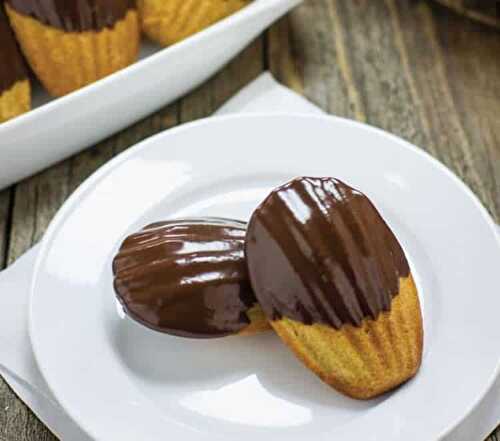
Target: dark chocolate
(186, 277)
(318, 251)
(75, 15)
(12, 67)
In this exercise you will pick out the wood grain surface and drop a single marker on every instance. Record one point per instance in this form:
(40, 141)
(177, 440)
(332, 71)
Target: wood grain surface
(407, 66)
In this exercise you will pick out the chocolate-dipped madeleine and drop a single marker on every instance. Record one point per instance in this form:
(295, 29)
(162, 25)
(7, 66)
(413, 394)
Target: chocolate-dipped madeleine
(15, 90)
(336, 286)
(72, 43)
(188, 278)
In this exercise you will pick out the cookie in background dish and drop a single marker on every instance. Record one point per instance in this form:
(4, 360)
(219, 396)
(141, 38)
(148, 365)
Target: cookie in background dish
(188, 278)
(336, 286)
(170, 21)
(15, 90)
(72, 43)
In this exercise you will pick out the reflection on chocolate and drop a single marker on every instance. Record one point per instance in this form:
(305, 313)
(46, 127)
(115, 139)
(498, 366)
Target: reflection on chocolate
(318, 251)
(186, 277)
(11, 62)
(75, 15)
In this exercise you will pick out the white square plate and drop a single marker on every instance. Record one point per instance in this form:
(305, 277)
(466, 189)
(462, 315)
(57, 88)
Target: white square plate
(119, 380)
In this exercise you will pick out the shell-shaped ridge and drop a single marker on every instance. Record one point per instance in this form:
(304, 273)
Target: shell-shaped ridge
(322, 253)
(186, 277)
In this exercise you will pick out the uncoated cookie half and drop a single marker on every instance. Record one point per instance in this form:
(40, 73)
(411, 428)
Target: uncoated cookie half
(72, 43)
(170, 21)
(15, 90)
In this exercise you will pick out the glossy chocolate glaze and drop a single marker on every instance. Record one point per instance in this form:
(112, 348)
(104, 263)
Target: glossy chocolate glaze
(318, 251)
(74, 15)
(186, 277)
(11, 62)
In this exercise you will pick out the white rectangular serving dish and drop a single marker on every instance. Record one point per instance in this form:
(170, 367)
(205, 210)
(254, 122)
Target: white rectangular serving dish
(56, 129)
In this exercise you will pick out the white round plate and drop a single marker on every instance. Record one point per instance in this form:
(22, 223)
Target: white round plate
(120, 381)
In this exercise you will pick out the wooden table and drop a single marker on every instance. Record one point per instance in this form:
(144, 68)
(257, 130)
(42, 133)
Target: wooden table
(408, 66)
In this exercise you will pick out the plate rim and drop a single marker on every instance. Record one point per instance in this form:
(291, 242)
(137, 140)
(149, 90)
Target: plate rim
(115, 162)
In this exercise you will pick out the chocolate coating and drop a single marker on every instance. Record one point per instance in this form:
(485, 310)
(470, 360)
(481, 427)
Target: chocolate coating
(318, 251)
(11, 63)
(186, 277)
(74, 15)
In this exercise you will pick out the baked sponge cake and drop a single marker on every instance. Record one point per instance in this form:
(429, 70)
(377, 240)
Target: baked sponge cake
(336, 286)
(72, 43)
(15, 91)
(188, 278)
(169, 21)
